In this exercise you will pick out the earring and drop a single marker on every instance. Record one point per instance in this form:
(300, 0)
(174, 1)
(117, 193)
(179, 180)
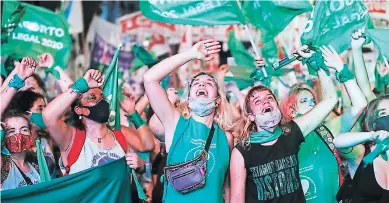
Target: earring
(80, 117)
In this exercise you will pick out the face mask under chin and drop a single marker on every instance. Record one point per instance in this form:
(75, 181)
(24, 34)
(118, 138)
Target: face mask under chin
(268, 120)
(202, 106)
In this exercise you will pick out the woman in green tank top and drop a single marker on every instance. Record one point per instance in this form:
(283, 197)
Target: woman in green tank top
(186, 134)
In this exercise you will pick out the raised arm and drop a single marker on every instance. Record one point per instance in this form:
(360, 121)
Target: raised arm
(141, 138)
(346, 121)
(54, 111)
(357, 42)
(46, 60)
(309, 121)
(16, 80)
(351, 139)
(159, 101)
(9, 77)
(142, 103)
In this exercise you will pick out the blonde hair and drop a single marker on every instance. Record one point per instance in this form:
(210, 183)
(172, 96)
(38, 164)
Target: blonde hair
(244, 126)
(222, 115)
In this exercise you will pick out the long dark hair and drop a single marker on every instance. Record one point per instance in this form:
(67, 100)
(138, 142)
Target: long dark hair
(72, 118)
(370, 113)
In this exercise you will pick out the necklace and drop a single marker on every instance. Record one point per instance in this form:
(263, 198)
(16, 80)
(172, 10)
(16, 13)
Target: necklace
(99, 138)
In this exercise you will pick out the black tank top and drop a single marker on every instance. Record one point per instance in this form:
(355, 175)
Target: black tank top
(272, 172)
(363, 188)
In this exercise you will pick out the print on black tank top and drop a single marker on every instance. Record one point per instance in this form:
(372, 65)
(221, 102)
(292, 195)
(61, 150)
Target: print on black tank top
(273, 171)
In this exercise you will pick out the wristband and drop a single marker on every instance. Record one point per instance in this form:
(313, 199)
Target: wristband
(314, 63)
(136, 119)
(80, 86)
(54, 72)
(16, 82)
(344, 75)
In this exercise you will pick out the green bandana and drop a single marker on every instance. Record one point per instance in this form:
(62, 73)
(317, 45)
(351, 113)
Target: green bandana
(380, 149)
(265, 136)
(344, 75)
(144, 56)
(54, 72)
(315, 62)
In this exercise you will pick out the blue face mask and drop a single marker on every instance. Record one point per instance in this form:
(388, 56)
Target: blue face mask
(381, 123)
(202, 106)
(37, 119)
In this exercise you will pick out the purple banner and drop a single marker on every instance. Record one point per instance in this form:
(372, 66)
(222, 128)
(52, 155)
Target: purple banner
(103, 52)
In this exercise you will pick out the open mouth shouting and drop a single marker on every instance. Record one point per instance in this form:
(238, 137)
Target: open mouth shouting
(201, 93)
(267, 109)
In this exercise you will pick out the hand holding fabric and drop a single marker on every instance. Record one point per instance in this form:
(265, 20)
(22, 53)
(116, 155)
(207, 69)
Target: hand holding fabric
(94, 78)
(358, 38)
(381, 135)
(304, 52)
(259, 62)
(134, 161)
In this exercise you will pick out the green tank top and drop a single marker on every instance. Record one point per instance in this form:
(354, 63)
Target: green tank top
(189, 140)
(318, 170)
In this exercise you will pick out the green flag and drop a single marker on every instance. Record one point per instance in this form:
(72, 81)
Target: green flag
(193, 12)
(39, 30)
(245, 73)
(106, 183)
(144, 56)
(239, 52)
(271, 16)
(333, 22)
(111, 91)
(380, 38)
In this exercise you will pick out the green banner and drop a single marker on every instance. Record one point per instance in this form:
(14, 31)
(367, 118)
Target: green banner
(239, 52)
(271, 16)
(380, 38)
(106, 183)
(206, 12)
(332, 23)
(39, 30)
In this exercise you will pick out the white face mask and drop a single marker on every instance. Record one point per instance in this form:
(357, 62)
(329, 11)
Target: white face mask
(269, 119)
(202, 106)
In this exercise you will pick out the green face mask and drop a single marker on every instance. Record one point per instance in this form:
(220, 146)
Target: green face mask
(37, 119)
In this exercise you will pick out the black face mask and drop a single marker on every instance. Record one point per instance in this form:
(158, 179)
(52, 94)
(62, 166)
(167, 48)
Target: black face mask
(99, 112)
(381, 123)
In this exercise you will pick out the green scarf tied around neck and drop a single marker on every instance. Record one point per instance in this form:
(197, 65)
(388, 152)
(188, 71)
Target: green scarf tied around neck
(316, 62)
(380, 149)
(265, 136)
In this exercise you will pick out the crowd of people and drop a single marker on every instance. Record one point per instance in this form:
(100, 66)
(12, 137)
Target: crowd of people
(203, 146)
